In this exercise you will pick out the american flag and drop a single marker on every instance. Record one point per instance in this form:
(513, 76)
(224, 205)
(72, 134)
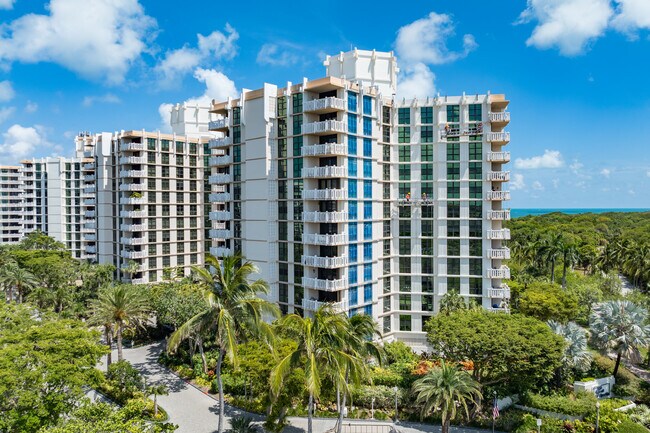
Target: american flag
(495, 409)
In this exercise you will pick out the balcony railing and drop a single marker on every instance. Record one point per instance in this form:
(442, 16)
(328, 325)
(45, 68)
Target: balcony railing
(502, 234)
(313, 305)
(324, 217)
(502, 293)
(330, 171)
(499, 215)
(503, 272)
(132, 146)
(89, 178)
(500, 117)
(325, 262)
(220, 160)
(132, 187)
(132, 160)
(90, 225)
(134, 254)
(132, 227)
(216, 143)
(218, 124)
(90, 214)
(324, 105)
(327, 285)
(324, 194)
(133, 241)
(498, 176)
(133, 173)
(498, 156)
(221, 215)
(499, 253)
(220, 234)
(318, 239)
(498, 195)
(90, 237)
(90, 202)
(499, 309)
(89, 166)
(324, 149)
(498, 137)
(220, 251)
(220, 179)
(90, 249)
(132, 200)
(219, 197)
(324, 127)
(133, 214)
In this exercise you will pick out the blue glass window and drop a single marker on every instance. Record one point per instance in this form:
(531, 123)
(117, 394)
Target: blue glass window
(367, 189)
(352, 210)
(367, 126)
(367, 310)
(352, 145)
(367, 251)
(352, 275)
(367, 293)
(367, 168)
(352, 123)
(367, 272)
(367, 147)
(354, 296)
(352, 188)
(352, 101)
(367, 105)
(352, 231)
(352, 167)
(367, 210)
(353, 252)
(367, 231)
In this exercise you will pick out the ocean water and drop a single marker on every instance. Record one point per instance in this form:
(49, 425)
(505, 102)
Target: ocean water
(516, 213)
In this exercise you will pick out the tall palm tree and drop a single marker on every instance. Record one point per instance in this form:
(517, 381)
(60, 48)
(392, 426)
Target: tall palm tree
(233, 311)
(122, 306)
(576, 354)
(321, 352)
(570, 257)
(620, 326)
(637, 263)
(445, 388)
(551, 251)
(20, 279)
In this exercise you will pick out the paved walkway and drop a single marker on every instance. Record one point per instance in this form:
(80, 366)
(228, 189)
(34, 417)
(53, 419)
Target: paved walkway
(195, 412)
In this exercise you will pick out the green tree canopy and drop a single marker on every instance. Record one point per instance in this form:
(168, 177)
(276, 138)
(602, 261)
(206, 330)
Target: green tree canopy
(548, 302)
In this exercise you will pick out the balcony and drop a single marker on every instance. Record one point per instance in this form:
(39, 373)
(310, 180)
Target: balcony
(89, 178)
(221, 215)
(134, 254)
(324, 105)
(317, 239)
(220, 160)
(498, 156)
(216, 143)
(501, 234)
(324, 127)
(327, 285)
(503, 273)
(325, 262)
(90, 202)
(502, 117)
(220, 251)
(132, 200)
(498, 176)
(219, 197)
(133, 173)
(220, 234)
(324, 194)
(132, 160)
(91, 249)
(132, 227)
(132, 146)
(88, 154)
(330, 171)
(500, 293)
(324, 217)
(132, 187)
(90, 214)
(220, 179)
(133, 214)
(90, 225)
(218, 125)
(498, 195)
(499, 253)
(329, 149)
(89, 189)
(138, 281)
(133, 241)
(89, 166)
(498, 137)
(499, 309)
(499, 215)
(313, 305)
(90, 237)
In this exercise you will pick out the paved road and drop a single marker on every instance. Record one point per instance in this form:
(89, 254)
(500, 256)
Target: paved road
(195, 412)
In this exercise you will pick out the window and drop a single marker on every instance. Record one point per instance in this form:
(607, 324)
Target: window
(367, 210)
(297, 102)
(297, 167)
(352, 167)
(476, 266)
(476, 209)
(475, 113)
(367, 168)
(426, 153)
(352, 188)
(236, 115)
(453, 266)
(352, 231)
(475, 228)
(453, 228)
(367, 293)
(386, 321)
(282, 106)
(427, 171)
(453, 113)
(475, 170)
(475, 286)
(427, 303)
(404, 322)
(475, 247)
(453, 171)
(475, 190)
(404, 171)
(236, 133)
(282, 127)
(404, 153)
(426, 115)
(405, 247)
(453, 189)
(352, 210)
(367, 105)
(453, 209)
(352, 251)
(405, 302)
(385, 133)
(367, 251)
(385, 154)
(352, 275)
(367, 189)
(453, 151)
(367, 147)
(367, 231)
(352, 101)
(367, 126)
(404, 134)
(426, 134)
(352, 123)
(367, 272)
(297, 125)
(404, 116)
(352, 145)
(354, 296)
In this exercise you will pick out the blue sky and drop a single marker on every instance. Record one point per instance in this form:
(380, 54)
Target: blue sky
(576, 72)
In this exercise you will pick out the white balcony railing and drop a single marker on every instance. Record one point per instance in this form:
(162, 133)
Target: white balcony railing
(324, 194)
(90, 225)
(132, 187)
(503, 272)
(220, 179)
(498, 176)
(219, 197)
(324, 149)
(499, 215)
(90, 249)
(90, 202)
(132, 200)
(89, 178)
(324, 104)
(324, 217)
(327, 285)
(499, 137)
(500, 117)
(498, 156)
(134, 254)
(220, 160)
(133, 173)
(317, 239)
(503, 292)
(132, 227)
(499, 253)
(502, 234)
(498, 195)
(220, 251)
(90, 214)
(133, 241)
(325, 126)
(89, 166)
(216, 143)
(325, 262)
(133, 160)
(220, 234)
(133, 214)
(313, 305)
(220, 215)
(132, 146)
(330, 171)
(218, 124)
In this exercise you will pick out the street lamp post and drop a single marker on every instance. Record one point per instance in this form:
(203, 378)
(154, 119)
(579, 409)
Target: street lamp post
(395, 389)
(597, 416)
(539, 425)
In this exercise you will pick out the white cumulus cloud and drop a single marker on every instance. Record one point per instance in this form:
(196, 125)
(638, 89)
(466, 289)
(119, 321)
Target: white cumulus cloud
(416, 81)
(632, 15)
(7, 4)
(517, 182)
(108, 98)
(550, 159)
(98, 39)
(21, 141)
(6, 91)
(277, 55)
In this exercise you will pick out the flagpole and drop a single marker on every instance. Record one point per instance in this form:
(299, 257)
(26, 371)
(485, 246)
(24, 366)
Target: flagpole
(493, 417)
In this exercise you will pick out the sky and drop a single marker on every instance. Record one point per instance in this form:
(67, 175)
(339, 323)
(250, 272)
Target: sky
(576, 73)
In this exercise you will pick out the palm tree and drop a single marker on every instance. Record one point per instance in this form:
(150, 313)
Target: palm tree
(576, 354)
(444, 389)
(233, 311)
(242, 424)
(123, 306)
(452, 301)
(570, 257)
(620, 326)
(156, 390)
(551, 250)
(20, 279)
(321, 352)
(637, 263)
